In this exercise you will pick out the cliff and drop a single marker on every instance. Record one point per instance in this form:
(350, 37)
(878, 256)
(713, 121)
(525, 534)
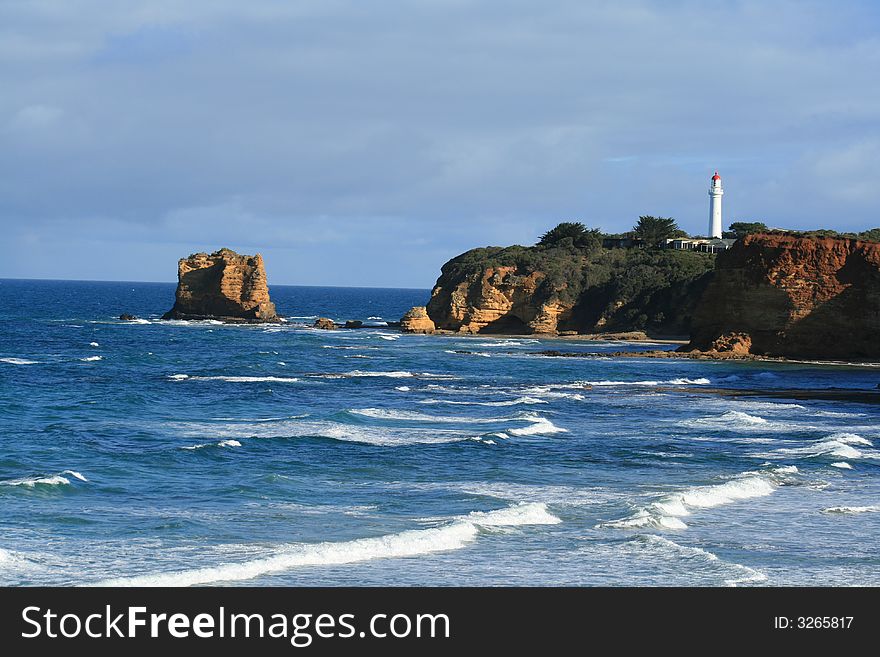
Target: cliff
(564, 288)
(223, 285)
(805, 297)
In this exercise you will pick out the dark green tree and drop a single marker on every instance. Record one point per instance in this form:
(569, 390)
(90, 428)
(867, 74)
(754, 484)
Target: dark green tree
(872, 235)
(742, 228)
(653, 230)
(572, 233)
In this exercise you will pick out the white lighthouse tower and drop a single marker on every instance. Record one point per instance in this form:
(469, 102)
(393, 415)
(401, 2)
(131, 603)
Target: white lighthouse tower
(715, 194)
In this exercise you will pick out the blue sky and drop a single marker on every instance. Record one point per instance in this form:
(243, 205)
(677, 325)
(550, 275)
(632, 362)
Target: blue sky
(365, 143)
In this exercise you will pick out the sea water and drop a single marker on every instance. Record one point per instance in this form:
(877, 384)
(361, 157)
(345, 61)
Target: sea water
(197, 453)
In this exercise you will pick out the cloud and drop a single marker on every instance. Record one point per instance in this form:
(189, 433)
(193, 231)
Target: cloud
(425, 126)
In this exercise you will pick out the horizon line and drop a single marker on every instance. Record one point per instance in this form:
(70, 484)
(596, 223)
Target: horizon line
(92, 280)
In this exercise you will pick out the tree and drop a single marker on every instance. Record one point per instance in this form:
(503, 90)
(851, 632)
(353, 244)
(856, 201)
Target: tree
(572, 233)
(742, 228)
(653, 230)
(872, 235)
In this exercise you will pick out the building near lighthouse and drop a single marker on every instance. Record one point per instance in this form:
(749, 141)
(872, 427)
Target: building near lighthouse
(716, 191)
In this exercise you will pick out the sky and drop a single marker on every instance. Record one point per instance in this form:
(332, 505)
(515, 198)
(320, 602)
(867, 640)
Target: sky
(366, 143)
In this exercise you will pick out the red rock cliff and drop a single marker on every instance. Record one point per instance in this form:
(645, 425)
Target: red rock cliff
(804, 297)
(223, 285)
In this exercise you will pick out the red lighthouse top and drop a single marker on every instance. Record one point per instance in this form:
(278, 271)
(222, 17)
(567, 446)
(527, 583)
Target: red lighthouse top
(716, 176)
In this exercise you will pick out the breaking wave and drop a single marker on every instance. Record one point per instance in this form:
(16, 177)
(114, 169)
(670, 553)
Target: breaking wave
(235, 379)
(19, 361)
(60, 479)
(668, 511)
(454, 535)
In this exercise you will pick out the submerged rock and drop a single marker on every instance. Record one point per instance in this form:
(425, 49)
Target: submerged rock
(416, 320)
(354, 324)
(223, 285)
(125, 317)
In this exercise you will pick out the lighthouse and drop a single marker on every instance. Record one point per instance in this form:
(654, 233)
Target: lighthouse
(715, 194)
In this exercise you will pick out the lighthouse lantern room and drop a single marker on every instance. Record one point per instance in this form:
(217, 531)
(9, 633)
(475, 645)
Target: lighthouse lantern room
(715, 194)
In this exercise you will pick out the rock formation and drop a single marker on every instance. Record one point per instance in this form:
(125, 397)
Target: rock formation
(496, 300)
(416, 320)
(223, 285)
(803, 297)
(325, 324)
(533, 290)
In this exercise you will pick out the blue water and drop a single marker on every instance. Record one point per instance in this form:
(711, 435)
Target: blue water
(198, 453)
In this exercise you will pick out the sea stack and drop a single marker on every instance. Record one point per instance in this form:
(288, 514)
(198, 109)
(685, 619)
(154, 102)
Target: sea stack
(416, 320)
(224, 286)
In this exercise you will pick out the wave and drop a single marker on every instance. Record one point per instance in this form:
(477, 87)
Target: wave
(839, 445)
(231, 442)
(19, 361)
(454, 535)
(541, 426)
(852, 509)
(508, 402)
(843, 465)
(370, 435)
(669, 382)
(234, 379)
(400, 374)
(733, 573)
(89, 359)
(46, 480)
(391, 414)
(666, 513)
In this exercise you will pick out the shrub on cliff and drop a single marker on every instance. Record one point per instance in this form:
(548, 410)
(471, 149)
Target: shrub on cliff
(740, 229)
(572, 235)
(654, 230)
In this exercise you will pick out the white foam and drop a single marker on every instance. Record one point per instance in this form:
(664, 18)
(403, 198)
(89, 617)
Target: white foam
(391, 414)
(733, 573)
(541, 426)
(852, 509)
(843, 465)
(19, 361)
(509, 402)
(533, 513)
(94, 344)
(670, 382)
(666, 513)
(403, 388)
(390, 337)
(89, 359)
(50, 480)
(454, 535)
(235, 379)
(839, 445)
(223, 443)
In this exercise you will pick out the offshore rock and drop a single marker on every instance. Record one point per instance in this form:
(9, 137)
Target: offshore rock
(416, 320)
(224, 286)
(325, 324)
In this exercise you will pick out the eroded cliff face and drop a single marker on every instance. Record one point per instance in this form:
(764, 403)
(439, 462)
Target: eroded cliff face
(222, 285)
(803, 297)
(496, 300)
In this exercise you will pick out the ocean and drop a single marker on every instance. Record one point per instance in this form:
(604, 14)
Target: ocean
(196, 453)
